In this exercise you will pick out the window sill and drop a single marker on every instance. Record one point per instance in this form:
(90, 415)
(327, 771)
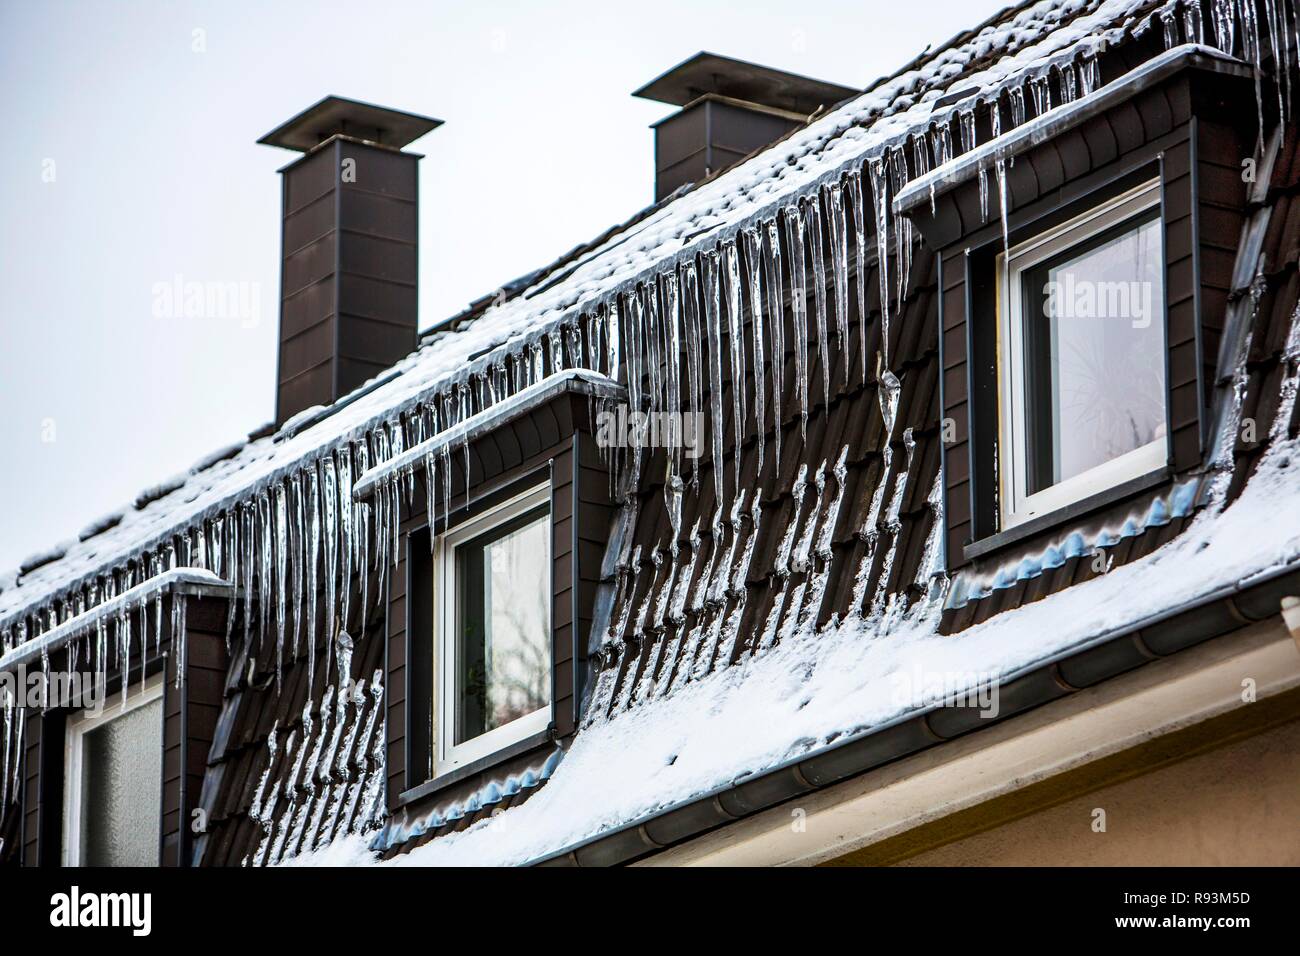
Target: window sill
(1071, 512)
(451, 777)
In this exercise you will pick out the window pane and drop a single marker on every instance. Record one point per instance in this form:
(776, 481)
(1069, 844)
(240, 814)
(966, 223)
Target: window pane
(121, 781)
(503, 657)
(1095, 362)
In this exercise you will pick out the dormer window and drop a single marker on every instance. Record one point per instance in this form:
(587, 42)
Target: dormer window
(1082, 392)
(490, 608)
(493, 591)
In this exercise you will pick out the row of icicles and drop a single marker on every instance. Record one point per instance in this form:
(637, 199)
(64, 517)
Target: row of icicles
(669, 340)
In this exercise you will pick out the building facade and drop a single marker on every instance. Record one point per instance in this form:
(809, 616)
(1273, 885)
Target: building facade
(912, 483)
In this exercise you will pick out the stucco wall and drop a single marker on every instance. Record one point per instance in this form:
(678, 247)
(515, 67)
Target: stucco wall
(1238, 804)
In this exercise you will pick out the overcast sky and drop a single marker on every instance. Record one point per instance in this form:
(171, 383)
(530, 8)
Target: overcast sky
(130, 160)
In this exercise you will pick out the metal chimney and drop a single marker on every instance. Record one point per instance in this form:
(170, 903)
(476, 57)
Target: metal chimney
(729, 109)
(348, 248)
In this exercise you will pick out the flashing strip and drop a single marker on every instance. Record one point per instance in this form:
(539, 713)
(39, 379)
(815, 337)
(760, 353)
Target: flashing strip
(580, 381)
(194, 580)
(1060, 118)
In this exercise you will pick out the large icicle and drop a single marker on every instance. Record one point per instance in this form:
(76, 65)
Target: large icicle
(839, 235)
(880, 201)
(754, 264)
(813, 213)
(776, 322)
(799, 308)
(713, 336)
(736, 343)
(313, 558)
(281, 574)
(330, 498)
(346, 543)
(860, 260)
(673, 367)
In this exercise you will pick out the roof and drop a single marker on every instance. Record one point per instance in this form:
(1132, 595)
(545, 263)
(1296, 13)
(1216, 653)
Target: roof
(775, 616)
(1034, 36)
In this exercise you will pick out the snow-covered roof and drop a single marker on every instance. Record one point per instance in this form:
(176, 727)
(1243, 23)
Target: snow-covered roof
(819, 687)
(850, 517)
(1036, 37)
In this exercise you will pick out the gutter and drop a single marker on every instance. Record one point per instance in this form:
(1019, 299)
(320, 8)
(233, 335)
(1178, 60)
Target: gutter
(1226, 609)
(579, 381)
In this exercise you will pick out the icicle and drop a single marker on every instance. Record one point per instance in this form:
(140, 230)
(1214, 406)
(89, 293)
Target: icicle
(265, 564)
(736, 343)
(1090, 74)
(839, 236)
(860, 261)
(249, 533)
(1281, 53)
(430, 494)
(329, 499)
(124, 645)
(1169, 22)
(799, 306)
(754, 264)
(902, 224)
(713, 337)
(613, 352)
(1016, 96)
(298, 545)
(673, 505)
(880, 201)
(346, 544)
(813, 214)
(1041, 89)
(1068, 83)
(647, 293)
(281, 574)
(1192, 21)
(178, 636)
(633, 316)
(313, 560)
(776, 322)
(142, 610)
(1253, 52)
(673, 365)
(690, 295)
(890, 387)
(1000, 170)
(363, 535)
(157, 623)
(1225, 22)
(966, 129)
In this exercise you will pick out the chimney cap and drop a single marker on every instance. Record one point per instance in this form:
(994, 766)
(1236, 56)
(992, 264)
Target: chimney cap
(336, 114)
(710, 73)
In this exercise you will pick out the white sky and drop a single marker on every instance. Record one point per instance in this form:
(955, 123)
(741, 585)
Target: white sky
(156, 174)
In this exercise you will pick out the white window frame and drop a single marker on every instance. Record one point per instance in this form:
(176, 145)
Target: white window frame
(78, 726)
(450, 755)
(1017, 505)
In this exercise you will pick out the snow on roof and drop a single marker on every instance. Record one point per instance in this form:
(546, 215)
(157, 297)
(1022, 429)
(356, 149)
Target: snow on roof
(818, 686)
(1034, 36)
